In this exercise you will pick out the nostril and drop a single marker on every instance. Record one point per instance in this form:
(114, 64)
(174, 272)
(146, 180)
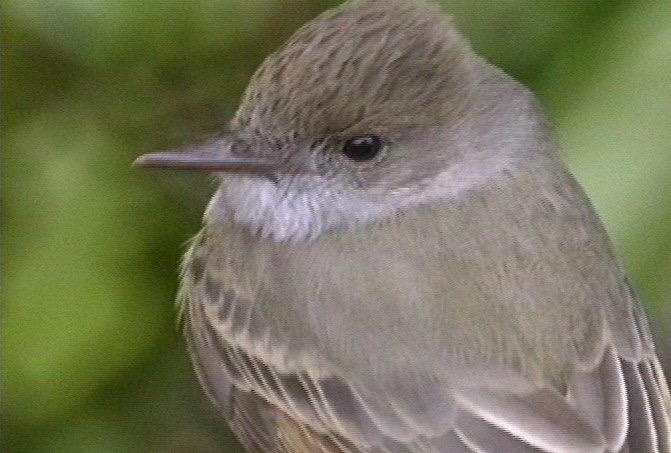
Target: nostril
(274, 180)
(240, 148)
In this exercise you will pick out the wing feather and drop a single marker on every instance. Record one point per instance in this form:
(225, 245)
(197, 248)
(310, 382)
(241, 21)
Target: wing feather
(641, 428)
(618, 404)
(482, 436)
(542, 418)
(660, 402)
(601, 397)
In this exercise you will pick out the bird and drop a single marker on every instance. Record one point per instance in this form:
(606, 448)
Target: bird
(396, 258)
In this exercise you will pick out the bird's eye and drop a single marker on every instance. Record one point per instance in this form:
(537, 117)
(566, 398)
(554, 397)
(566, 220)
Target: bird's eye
(363, 148)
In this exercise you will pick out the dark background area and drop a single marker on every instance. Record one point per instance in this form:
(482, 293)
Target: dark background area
(93, 359)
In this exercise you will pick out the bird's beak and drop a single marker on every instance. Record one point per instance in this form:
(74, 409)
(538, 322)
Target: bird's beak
(215, 156)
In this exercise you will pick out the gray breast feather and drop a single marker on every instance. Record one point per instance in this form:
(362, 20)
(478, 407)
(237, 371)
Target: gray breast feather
(617, 405)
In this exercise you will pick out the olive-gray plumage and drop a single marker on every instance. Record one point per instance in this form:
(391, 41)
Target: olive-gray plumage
(453, 292)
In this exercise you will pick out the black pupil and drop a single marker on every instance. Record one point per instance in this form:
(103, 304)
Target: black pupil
(362, 148)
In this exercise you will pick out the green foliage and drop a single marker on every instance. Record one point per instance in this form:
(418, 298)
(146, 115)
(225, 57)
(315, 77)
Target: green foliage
(92, 359)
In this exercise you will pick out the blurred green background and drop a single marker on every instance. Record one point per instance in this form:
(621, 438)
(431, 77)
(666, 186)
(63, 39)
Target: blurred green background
(92, 357)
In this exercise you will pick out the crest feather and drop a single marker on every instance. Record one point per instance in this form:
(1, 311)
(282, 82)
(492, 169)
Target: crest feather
(368, 64)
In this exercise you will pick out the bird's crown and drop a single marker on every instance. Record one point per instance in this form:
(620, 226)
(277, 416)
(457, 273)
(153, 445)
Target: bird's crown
(378, 62)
